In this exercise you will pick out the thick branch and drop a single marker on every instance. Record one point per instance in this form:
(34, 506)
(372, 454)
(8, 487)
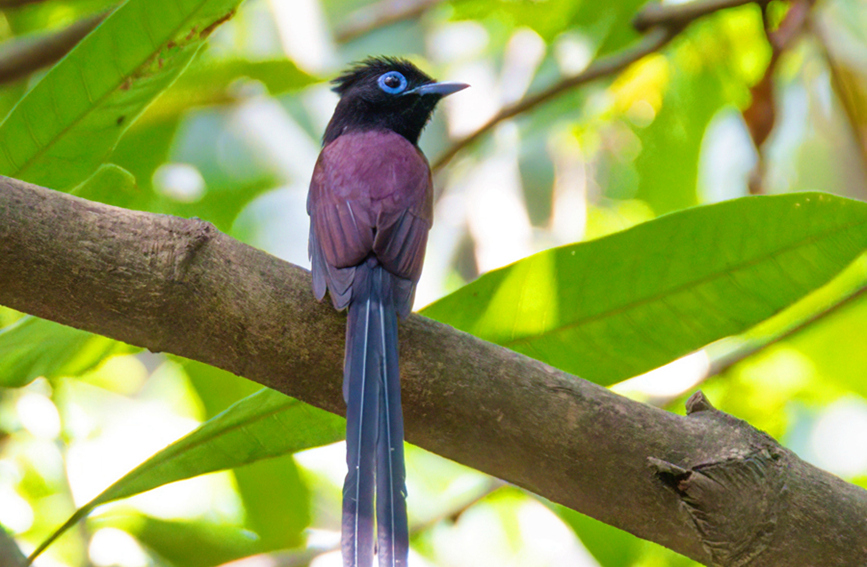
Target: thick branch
(706, 485)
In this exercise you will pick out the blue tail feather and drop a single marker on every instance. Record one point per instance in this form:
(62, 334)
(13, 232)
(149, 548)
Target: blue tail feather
(374, 426)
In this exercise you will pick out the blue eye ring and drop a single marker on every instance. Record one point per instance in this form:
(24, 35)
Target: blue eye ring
(387, 84)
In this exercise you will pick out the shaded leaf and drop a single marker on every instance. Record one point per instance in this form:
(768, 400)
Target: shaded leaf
(33, 347)
(618, 306)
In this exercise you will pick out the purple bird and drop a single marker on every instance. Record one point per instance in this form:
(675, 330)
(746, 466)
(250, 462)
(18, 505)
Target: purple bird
(371, 207)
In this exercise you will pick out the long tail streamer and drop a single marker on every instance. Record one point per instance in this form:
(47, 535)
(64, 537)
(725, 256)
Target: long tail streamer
(374, 425)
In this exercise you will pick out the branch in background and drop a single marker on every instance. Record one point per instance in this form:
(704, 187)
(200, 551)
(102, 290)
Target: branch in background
(17, 3)
(22, 56)
(10, 554)
(727, 361)
(381, 14)
(681, 15)
(652, 42)
(662, 23)
(856, 121)
(706, 485)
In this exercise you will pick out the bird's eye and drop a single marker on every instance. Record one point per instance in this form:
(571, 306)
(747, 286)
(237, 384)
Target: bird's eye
(392, 82)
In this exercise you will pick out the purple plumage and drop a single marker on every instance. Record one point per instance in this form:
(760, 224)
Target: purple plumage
(371, 207)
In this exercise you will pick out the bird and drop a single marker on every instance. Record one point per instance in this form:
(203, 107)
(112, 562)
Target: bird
(370, 204)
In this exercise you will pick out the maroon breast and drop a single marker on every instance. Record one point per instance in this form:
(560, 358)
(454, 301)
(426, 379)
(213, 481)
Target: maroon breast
(371, 192)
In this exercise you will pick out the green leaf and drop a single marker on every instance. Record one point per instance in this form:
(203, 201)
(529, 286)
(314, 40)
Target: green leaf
(264, 425)
(61, 131)
(208, 81)
(618, 306)
(33, 347)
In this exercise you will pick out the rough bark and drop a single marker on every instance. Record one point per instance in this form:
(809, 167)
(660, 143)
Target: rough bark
(706, 484)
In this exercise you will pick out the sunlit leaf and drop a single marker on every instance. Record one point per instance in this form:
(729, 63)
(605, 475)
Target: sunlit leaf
(60, 132)
(624, 304)
(264, 425)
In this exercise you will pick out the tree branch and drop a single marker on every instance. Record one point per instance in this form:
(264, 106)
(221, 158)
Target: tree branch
(681, 15)
(652, 42)
(663, 22)
(381, 14)
(706, 485)
(20, 57)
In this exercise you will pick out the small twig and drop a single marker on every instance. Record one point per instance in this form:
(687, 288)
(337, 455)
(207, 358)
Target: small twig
(17, 3)
(381, 14)
(20, 57)
(673, 15)
(653, 41)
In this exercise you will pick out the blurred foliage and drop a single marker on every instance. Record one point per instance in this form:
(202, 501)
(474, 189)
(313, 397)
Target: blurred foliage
(214, 108)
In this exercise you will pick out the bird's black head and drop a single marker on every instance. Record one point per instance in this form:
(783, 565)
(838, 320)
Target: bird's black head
(385, 93)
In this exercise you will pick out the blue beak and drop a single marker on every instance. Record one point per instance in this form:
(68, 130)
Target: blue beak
(441, 89)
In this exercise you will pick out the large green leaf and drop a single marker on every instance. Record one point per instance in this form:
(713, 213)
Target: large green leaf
(264, 425)
(624, 304)
(61, 131)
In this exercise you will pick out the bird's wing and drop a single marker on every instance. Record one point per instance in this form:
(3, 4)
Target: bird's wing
(371, 193)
